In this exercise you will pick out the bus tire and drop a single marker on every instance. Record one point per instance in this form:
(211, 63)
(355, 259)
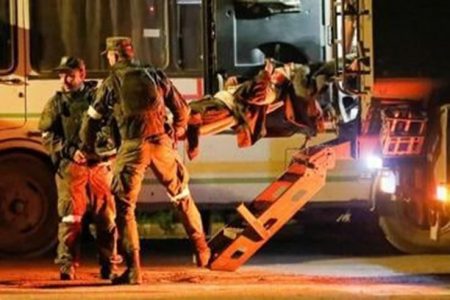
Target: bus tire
(407, 236)
(399, 225)
(28, 205)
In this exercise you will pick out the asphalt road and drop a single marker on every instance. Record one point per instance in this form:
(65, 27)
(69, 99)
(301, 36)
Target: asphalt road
(327, 262)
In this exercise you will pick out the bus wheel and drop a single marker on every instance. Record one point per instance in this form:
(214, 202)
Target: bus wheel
(28, 213)
(404, 221)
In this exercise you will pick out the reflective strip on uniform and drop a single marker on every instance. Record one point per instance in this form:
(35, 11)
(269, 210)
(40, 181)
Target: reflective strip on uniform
(93, 113)
(71, 219)
(182, 195)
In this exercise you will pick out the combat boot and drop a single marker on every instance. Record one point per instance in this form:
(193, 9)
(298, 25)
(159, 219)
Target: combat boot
(202, 258)
(108, 272)
(202, 252)
(108, 268)
(67, 272)
(132, 274)
(192, 222)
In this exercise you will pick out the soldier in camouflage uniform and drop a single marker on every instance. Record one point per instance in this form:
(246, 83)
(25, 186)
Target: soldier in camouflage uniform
(83, 179)
(145, 143)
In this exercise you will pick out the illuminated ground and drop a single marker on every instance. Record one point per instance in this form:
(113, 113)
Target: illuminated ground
(315, 267)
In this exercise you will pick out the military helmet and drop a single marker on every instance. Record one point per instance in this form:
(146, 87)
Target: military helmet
(69, 63)
(121, 44)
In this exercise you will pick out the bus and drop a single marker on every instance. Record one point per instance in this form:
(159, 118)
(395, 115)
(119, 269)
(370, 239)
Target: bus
(198, 43)
(177, 36)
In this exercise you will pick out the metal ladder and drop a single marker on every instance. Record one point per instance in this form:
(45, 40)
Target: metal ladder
(238, 241)
(347, 15)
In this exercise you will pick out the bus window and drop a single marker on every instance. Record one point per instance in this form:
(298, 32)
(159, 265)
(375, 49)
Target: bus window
(189, 37)
(6, 37)
(80, 27)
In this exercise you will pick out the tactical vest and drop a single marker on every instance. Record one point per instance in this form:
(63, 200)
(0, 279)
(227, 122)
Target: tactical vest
(72, 108)
(140, 110)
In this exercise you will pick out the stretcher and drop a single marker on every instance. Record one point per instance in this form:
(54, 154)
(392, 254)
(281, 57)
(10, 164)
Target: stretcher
(229, 122)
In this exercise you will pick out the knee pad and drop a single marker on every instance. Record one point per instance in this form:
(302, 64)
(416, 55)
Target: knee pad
(71, 219)
(184, 194)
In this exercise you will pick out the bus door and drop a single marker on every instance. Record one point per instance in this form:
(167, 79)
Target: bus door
(238, 36)
(12, 71)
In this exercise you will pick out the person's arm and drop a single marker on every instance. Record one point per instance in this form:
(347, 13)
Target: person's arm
(101, 108)
(51, 129)
(176, 104)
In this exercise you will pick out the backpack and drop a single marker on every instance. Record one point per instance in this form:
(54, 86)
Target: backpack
(137, 89)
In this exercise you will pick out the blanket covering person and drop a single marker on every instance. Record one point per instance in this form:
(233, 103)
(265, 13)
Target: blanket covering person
(292, 86)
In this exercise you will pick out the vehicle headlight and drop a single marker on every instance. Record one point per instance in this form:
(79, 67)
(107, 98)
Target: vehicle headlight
(388, 182)
(374, 162)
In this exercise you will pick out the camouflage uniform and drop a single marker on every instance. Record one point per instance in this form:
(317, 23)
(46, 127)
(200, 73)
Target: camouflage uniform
(79, 185)
(145, 143)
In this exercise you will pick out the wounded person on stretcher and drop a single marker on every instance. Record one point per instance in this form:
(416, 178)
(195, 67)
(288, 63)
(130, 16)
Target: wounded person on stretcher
(243, 107)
